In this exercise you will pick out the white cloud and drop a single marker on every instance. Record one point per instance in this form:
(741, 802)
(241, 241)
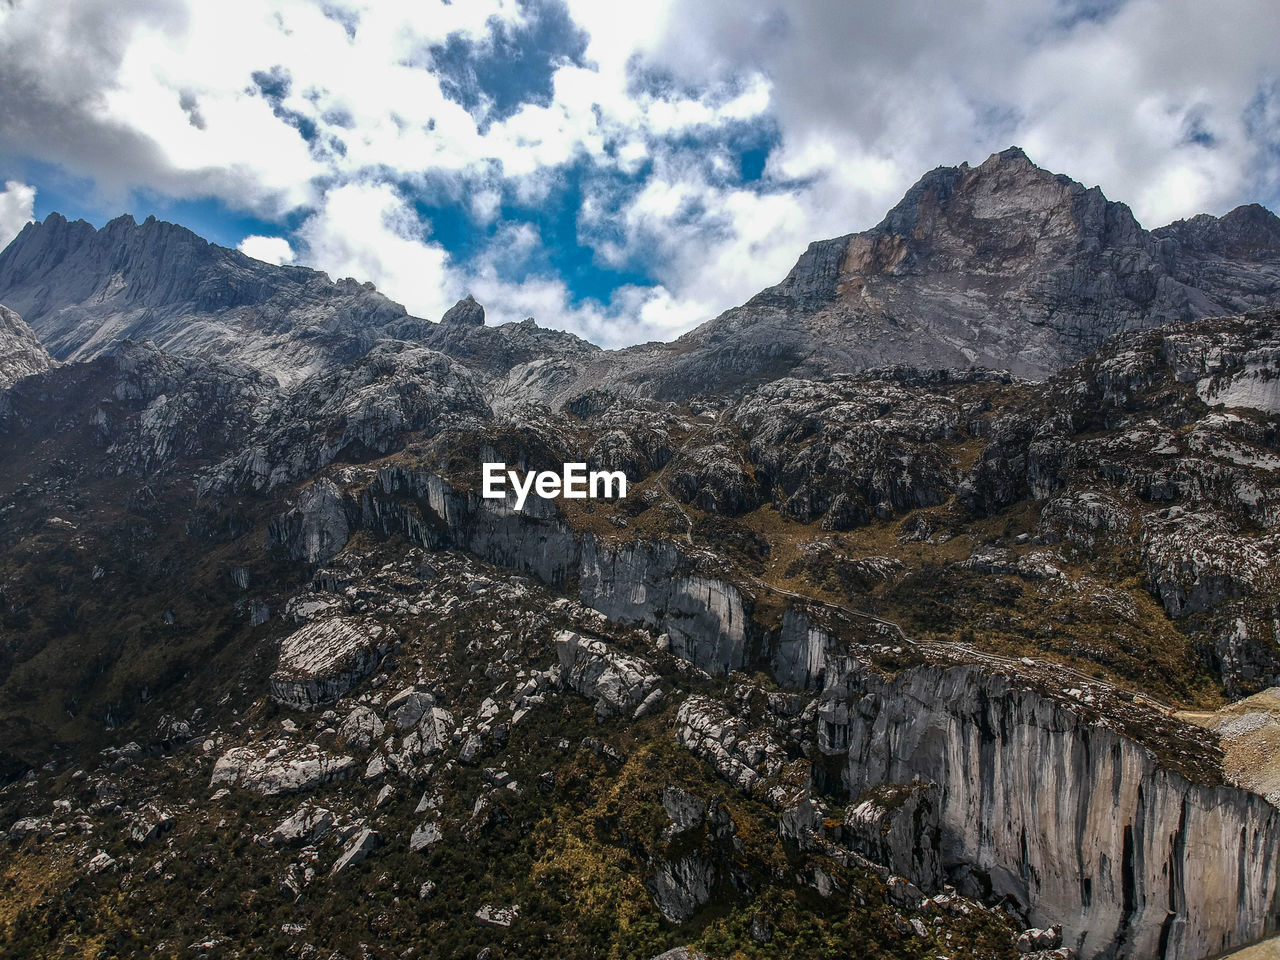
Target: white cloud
(17, 202)
(267, 249)
(367, 231)
(1151, 100)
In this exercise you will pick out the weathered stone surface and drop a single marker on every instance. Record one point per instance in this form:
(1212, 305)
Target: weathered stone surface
(357, 850)
(83, 289)
(100, 862)
(642, 582)
(466, 312)
(361, 728)
(897, 825)
(321, 661)
(679, 888)
(744, 756)
(617, 683)
(685, 810)
(1067, 800)
(148, 823)
(307, 825)
(316, 528)
(407, 707)
(424, 836)
(492, 915)
(280, 767)
(21, 353)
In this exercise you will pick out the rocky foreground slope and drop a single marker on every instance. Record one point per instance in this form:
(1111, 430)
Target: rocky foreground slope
(898, 662)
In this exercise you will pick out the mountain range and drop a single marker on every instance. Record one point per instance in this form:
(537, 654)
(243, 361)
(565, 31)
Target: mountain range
(1001, 266)
(941, 617)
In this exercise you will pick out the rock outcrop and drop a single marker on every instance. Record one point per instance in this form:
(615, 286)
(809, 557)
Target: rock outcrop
(466, 312)
(321, 661)
(1070, 820)
(21, 353)
(275, 768)
(617, 683)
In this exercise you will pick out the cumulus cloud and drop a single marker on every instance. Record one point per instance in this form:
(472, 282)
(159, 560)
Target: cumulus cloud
(367, 231)
(17, 201)
(275, 250)
(351, 118)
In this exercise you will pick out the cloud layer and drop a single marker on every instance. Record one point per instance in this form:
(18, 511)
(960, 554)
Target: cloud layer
(621, 171)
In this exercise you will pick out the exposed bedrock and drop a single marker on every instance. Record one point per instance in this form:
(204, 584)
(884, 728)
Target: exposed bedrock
(1028, 800)
(323, 660)
(1071, 820)
(642, 582)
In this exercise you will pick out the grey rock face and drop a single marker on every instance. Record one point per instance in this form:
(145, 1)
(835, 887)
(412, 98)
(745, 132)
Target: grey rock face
(148, 823)
(1003, 265)
(308, 824)
(361, 728)
(424, 836)
(617, 683)
(275, 768)
(82, 289)
(316, 528)
(465, 312)
(680, 887)
(357, 850)
(146, 410)
(361, 411)
(642, 583)
(407, 708)
(898, 825)
(321, 661)
(21, 353)
(1073, 821)
(743, 756)
(686, 811)
(650, 583)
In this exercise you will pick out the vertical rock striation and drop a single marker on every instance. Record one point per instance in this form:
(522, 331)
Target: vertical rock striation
(1067, 818)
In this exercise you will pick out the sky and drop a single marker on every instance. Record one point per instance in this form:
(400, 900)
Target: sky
(623, 171)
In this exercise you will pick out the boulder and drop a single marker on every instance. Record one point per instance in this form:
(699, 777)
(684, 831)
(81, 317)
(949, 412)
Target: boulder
(406, 708)
(361, 728)
(271, 769)
(308, 825)
(323, 660)
(357, 850)
(618, 683)
(426, 835)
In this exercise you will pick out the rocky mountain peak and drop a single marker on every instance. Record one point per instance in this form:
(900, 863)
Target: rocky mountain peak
(1002, 265)
(1249, 232)
(1004, 213)
(81, 289)
(465, 312)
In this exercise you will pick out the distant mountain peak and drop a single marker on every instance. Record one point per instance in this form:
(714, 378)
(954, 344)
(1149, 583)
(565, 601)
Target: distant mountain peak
(81, 289)
(1003, 265)
(465, 312)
